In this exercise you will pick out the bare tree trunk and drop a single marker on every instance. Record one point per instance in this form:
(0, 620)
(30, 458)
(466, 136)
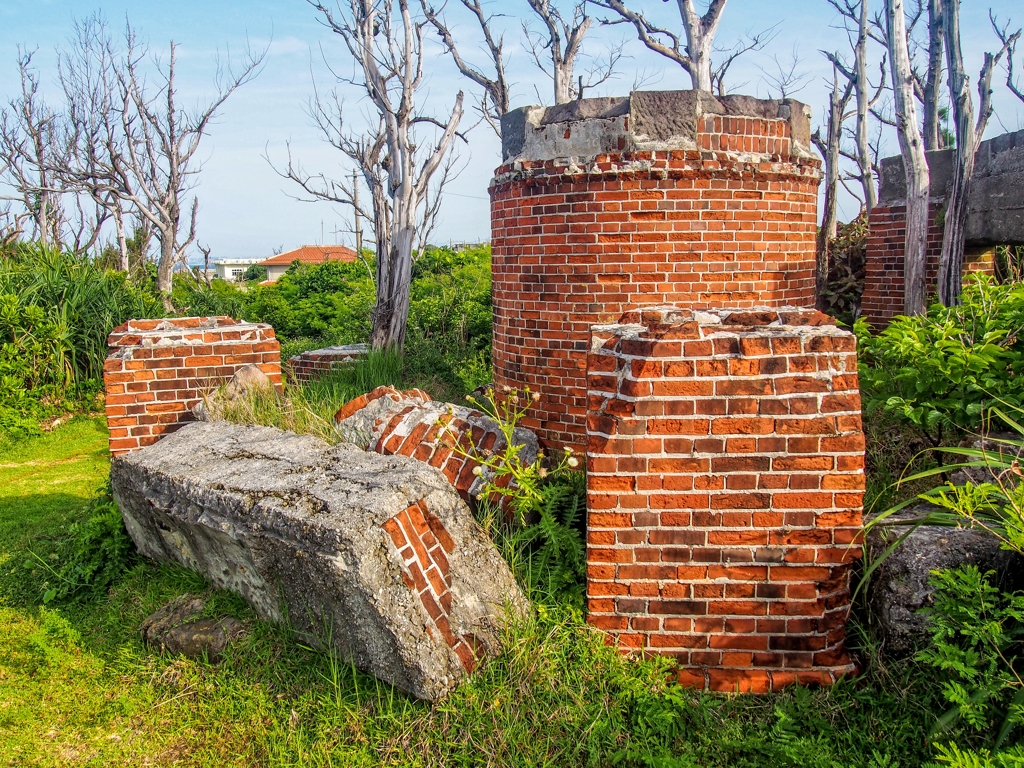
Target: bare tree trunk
(829, 148)
(867, 176)
(557, 54)
(165, 269)
(387, 46)
(914, 161)
(933, 83)
(968, 137)
(122, 240)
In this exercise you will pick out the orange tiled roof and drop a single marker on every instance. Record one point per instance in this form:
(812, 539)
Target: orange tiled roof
(311, 254)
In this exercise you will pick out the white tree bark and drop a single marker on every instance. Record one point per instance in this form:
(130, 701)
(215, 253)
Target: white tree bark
(157, 169)
(829, 147)
(495, 99)
(914, 161)
(968, 137)
(387, 46)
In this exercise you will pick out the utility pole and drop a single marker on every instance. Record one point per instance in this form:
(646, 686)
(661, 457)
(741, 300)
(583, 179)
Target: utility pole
(355, 206)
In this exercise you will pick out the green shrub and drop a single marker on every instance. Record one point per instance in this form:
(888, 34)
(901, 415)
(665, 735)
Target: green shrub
(976, 639)
(56, 312)
(952, 756)
(92, 556)
(534, 510)
(943, 370)
(847, 258)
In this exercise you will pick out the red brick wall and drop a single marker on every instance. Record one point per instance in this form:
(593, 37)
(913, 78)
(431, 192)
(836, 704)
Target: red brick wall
(577, 245)
(410, 423)
(424, 546)
(725, 465)
(883, 269)
(157, 370)
(316, 363)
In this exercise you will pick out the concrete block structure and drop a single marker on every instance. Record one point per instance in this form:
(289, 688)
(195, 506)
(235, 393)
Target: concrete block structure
(157, 370)
(995, 217)
(725, 475)
(603, 205)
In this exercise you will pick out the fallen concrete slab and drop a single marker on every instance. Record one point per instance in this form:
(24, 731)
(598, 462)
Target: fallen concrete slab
(374, 556)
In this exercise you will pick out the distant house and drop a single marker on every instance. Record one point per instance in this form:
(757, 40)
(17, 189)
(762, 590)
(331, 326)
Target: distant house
(232, 269)
(307, 254)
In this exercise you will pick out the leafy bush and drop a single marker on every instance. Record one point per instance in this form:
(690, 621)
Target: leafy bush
(56, 312)
(952, 756)
(977, 636)
(447, 350)
(534, 510)
(331, 301)
(847, 257)
(943, 370)
(92, 556)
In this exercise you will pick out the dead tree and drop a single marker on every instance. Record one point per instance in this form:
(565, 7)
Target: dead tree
(828, 146)
(1009, 42)
(30, 147)
(87, 73)
(915, 163)
(693, 55)
(969, 131)
(787, 79)
(562, 40)
(403, 173)
(494, 101)
(753, 41)
(930, 89)
(161, 140)
(858, 28)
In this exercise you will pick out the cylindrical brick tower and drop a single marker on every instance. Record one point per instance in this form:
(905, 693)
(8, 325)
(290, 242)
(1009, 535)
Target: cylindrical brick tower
(605, 205)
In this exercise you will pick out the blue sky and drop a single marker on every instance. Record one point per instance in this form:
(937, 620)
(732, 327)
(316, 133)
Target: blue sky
(247, 210)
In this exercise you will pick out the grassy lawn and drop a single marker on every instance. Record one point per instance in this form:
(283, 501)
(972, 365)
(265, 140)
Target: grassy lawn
(77, 687)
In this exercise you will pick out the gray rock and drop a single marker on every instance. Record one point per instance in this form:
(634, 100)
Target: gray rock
(899, 587)
(374, 556)
(179, 628)
(246, 379)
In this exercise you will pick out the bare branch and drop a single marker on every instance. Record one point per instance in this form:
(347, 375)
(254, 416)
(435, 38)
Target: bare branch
(1009, 45)
(700, 30)
(494, 101)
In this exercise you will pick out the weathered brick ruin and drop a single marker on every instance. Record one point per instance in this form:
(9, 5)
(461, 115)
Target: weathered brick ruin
(317, 363)
(725, 475)
(392, 422)
(653, 266)
(603, 205)
(158, 370)
(995, 217)
(723, 437)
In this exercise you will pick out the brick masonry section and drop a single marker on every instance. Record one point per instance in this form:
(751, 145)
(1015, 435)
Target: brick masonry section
(883, 269)
(424, 545)
(726, 219)
(409, 423)
(724, 491)
(157, 370)
(317, 363)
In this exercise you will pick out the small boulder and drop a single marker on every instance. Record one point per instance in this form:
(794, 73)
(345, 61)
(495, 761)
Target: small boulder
(899, 587)
(374, 556)
(246, 379)
(179, 628)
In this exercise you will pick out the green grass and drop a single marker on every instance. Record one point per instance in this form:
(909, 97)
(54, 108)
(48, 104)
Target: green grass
(77, 687)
